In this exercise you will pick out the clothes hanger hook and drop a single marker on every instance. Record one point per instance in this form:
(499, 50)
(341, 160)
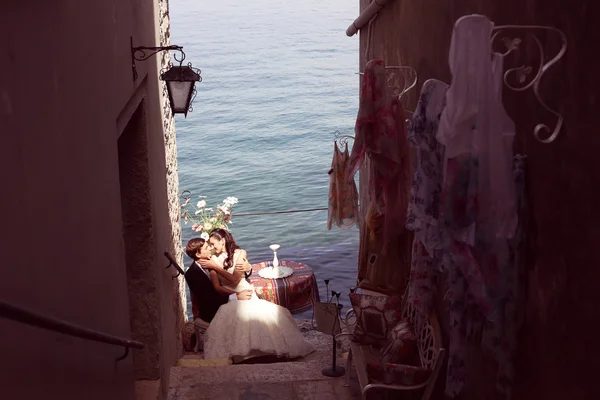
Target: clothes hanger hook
(540, 128)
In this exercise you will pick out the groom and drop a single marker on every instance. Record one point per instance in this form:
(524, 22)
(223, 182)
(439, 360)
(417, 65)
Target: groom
(200, 284)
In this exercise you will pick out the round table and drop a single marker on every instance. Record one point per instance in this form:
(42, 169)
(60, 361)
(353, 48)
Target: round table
(295, 292)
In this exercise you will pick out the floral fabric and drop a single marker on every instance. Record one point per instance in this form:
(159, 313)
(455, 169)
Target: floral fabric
(403, 345)
(425, 197)
(466, 292)
(459, 213)
(478, 210)
(343, 195)
(487, 301)
(483, 287)
(380, 134)
(426, 188)
(375, 317)
(500, 335)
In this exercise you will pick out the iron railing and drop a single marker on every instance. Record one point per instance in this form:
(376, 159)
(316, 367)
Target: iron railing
(28, 317)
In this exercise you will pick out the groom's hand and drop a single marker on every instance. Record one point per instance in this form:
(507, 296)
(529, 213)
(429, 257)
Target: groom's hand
(244, 294)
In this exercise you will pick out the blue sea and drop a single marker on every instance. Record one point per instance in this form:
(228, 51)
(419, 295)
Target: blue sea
(279, 78)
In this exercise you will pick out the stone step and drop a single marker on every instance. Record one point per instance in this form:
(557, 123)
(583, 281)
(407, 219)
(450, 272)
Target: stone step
(286, 380)
(302, 390)
(273, 372)
(293, 380)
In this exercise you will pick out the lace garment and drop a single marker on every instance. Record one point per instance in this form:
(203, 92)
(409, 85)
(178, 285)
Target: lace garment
(478, 206)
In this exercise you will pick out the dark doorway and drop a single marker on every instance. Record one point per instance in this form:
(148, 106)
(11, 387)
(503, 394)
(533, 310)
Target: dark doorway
(138, 237)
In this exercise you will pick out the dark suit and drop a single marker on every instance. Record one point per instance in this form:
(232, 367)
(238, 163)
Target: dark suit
(209, 300)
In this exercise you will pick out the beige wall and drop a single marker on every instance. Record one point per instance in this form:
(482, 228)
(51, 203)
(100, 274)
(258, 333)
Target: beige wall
(66, 94)
(556, 355)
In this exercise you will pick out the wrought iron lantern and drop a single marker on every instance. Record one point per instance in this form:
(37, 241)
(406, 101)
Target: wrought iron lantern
(181, 86)
(180, 79)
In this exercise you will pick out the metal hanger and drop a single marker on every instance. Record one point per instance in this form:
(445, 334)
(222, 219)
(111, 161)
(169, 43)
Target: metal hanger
(412, 84)
(408, 84)
(522, 71)
(408, 87)
(341, 139)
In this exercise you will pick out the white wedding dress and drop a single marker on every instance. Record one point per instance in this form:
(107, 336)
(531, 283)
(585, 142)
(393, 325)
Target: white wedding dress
(251, 328)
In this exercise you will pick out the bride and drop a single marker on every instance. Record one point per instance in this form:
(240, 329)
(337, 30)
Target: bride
(249, 328)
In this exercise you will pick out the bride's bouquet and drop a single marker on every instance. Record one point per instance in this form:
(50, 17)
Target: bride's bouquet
(205, 219)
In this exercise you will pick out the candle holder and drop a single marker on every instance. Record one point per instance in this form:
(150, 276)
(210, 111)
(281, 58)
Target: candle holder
(275, 247)
(335, 370)
(327, 315)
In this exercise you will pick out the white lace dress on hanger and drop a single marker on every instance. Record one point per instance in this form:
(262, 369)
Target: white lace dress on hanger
(251, 328)
(478, 203)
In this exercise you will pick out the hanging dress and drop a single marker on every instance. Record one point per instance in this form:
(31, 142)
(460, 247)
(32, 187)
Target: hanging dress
(425, 196)
(343, 195)
(380, 135)
(500, 337)
(503, 271)
(465, 111)
(478, 205)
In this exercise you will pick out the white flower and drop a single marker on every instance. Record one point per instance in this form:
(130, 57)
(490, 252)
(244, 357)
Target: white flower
(198, 212)
(224, 209)
(213, 219)
(230, 201)
(201, 204)
(204, 236)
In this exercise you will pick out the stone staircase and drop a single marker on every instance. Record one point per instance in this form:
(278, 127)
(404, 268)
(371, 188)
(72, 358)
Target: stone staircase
(278, 380)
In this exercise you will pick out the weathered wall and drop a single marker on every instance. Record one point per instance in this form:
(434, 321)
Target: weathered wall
(556, 356)
(175, 297)
(66, 95)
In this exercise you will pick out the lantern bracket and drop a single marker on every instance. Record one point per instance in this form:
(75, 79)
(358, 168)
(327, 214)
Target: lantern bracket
(142, 53)
(180, 80)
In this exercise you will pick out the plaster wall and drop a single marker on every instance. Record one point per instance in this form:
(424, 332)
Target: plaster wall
(66, 96)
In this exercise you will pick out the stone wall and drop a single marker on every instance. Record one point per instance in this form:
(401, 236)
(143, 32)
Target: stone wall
(556, 354)
(179, 301)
